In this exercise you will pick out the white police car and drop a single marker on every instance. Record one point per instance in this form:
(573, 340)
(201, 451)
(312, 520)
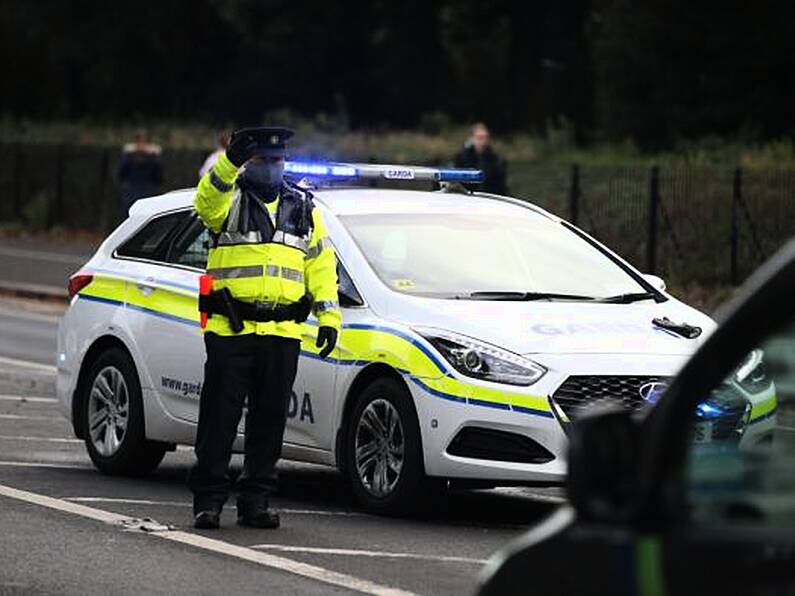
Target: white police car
(475, 328)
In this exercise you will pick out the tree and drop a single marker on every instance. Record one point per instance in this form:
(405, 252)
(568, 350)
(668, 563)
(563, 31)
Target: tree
(671, 69)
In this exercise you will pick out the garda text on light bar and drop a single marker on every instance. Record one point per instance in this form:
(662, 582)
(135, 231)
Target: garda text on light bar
(352, 171)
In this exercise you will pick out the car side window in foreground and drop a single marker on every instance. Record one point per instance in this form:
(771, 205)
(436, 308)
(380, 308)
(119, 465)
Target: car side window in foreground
(151, 241)
(741, 464)
(191, 246)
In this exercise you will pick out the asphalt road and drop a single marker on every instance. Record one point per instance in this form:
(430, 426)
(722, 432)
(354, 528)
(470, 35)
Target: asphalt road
(41, 261)
(27, 331)
(72, 530)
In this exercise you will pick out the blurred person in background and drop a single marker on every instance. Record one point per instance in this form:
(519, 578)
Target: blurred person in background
(140, 171)
(221, 145)
(478, 154)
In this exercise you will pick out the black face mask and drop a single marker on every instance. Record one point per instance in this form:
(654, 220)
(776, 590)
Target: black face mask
(263, 179)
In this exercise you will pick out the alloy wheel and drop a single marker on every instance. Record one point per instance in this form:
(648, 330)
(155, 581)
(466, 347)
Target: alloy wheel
(380, 447)
(108, 411)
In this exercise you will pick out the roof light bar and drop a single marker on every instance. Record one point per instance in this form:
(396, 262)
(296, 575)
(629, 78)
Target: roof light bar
(353, 171)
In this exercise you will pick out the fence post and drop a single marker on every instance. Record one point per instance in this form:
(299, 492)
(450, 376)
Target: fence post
(737, 193)
(574, 194)
(654, 207)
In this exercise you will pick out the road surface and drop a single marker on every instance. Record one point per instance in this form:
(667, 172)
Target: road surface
(68, 529)
(39, 261)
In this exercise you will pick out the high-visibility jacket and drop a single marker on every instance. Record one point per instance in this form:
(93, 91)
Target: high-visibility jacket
(297, 259)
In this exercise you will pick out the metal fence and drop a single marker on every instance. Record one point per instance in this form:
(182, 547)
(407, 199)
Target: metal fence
(711, 225)
(705, 224)
(73, 186)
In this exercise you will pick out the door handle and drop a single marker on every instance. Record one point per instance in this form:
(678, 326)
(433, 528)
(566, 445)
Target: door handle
(145, 286)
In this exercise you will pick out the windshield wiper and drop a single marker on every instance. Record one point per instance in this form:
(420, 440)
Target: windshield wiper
(525, 296)
(627, 298)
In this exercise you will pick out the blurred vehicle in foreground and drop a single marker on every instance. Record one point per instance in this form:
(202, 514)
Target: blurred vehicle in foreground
(673, 503)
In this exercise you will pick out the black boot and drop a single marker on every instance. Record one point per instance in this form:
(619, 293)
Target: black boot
(257, 517)
(209, 519)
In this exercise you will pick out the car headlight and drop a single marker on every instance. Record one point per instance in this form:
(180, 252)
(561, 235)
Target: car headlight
(752, 375)
(483, 361)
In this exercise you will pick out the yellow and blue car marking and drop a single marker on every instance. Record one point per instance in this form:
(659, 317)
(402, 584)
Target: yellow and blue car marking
(360, 344)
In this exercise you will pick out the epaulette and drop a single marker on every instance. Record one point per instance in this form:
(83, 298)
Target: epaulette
(298, 192)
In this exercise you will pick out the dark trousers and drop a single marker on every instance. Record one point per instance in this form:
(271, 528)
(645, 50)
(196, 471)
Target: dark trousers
(262, 368)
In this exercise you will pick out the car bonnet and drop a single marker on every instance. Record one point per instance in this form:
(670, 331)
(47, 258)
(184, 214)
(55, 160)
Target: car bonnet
(560, 327)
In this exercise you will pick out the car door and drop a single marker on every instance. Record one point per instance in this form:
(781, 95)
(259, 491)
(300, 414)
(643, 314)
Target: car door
(164, 318)
(310, 412)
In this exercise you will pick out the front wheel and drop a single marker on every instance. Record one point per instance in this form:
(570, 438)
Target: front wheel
(383, 451)
(114, 418)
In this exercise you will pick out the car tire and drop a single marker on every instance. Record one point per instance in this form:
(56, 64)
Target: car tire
(113, 416)
(384, 465)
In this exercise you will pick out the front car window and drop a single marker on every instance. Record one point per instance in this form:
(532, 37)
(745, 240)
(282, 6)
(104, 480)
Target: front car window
(450, 255)
(741, 461)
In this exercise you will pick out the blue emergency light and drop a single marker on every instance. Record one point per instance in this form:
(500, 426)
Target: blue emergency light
(360, 171)
(708, 409)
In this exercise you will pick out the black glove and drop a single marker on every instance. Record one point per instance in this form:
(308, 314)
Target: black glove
(241, 147)
(300, 310)
(326, 336)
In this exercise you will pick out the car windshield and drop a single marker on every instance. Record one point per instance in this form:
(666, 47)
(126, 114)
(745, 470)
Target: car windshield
(486, 256)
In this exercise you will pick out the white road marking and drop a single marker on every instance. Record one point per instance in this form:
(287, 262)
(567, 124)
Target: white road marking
(283, 564)
(276, 562)
(43, 255)
(36, 464)
(366, 553)
(127, 501)
(287, 511)
(61, 505)
(25, 417)
(25, 398)
(50, 368)
(18, 313)
(42, 439)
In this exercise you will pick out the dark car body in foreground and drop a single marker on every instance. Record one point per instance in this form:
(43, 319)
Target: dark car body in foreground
(669, 503)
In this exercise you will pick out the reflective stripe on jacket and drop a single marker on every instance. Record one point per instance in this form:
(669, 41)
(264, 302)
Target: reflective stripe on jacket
(280, 271)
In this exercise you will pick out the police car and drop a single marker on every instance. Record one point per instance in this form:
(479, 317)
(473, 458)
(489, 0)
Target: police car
(476, 327)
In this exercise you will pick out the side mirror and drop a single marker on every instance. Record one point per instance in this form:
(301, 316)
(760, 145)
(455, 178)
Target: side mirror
(602, 478)
(657, 282)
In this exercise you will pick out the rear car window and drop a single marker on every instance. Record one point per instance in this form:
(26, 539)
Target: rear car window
(151, 241)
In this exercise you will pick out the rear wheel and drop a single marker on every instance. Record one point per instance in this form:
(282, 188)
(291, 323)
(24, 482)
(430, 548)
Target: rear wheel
(383, 452)
(114, 418)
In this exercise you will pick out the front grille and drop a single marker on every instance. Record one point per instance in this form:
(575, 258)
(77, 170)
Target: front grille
(579, 394)
(498, 445)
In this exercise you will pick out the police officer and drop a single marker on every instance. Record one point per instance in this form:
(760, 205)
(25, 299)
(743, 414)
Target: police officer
(270, 261)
